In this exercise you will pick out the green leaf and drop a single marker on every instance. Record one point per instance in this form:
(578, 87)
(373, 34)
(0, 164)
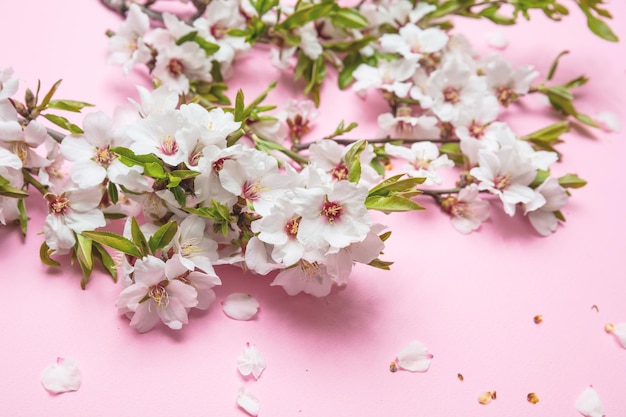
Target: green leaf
(163, 236)
(114, 241)
(8, 191)
(586, 120)
(113, 193)
(453, 150)
(239, 106)
(187, 37)
(105, 259)
(114, 216)
(384, 265)
(85, 257)
(68, 105)
(348, 18)
(44, 255)
(571, 181)
(48, 96)
(209, 47)
(138, 237)
(392, 203)
(129, 158)
(350, 46)
(554, 65)
(250, 107)
(64, 123)
(155, 170)
(395, 185)
(179, 195)
(184, 174)
(23, 218)
(308, 12)
(600, 28)
(559, 215)
(539, 178)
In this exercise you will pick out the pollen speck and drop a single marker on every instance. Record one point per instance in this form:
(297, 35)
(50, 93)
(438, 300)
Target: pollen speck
(460, 376)
(538, 319)
(595, 307)
(485, 397)
(532, 398)
(393, 367)
(609, 328)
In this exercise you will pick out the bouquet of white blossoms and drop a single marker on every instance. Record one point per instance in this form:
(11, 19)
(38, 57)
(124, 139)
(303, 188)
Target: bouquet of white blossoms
(202, 181)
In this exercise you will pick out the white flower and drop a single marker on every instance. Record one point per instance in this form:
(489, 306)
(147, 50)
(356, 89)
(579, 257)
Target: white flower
(177, 65)
(61, 376)
(389, 76)
(505, 82)
(467, 210)
(8, 84)
(412, 42)
(588, 403)
(309, 42)
(415, 357)
(552, 197)
(159, 100)
(406, 126)
(159, 134)
(609, 122)
(497, 39)
(239, 306)
(309, 277)
(423, 160)
(251, 361)
(73, 211)
(127, 46)
(248, 402)
(505, 174)
(619, 331)
(156, 295)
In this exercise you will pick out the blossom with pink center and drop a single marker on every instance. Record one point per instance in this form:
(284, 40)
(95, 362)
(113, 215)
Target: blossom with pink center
(391, 76)
(506, 174)
(329, 156)
(423, 160)
(127, 47)
(467, 210)
(412, 42)
(541, 212)
(156, 294)
(505, 82)
(159, 134)
(73, 211)
(298, 115)
(404, 125)
(334, 215)
(308, 277)
(23, 141)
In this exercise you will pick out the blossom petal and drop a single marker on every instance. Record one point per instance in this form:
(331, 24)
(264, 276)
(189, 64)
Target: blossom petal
(251, 362)
(588, 404)
(248, 402)
(415, 357)
(61, 376)
(240, 306)
(619, 331)
(609, 121)
(497, 39)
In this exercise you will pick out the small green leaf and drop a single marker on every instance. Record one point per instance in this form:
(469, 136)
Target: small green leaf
(162, 237)
(187, 37)
(600, 28)
(114, 241)
(68, 105)
(348, 18)
(586, 120)
(113, 193)
(539, 178)
(85, 258)
(138, 237)
(393, 203)
(44, 255)
(394, 185)
(23, 217)
(105, 259)
(8, 191)
(308, 12)
(554, 65)
(155, 170)
(559, 215)
(129, 158)
(239, 106)
(64, 123)
(179, 195)
(48, 96)
(571, 181)
(384, 265)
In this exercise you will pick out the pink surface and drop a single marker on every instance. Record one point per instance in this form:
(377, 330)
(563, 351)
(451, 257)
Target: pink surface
(469, 299)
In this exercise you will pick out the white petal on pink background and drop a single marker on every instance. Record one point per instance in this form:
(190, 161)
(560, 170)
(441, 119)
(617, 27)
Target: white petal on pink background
(248, 402)
(415, 357)
(619, 331)
(609, 121)
(251, 361)
(240, 306)
(61, 376)
(497, 39)
(589, 404)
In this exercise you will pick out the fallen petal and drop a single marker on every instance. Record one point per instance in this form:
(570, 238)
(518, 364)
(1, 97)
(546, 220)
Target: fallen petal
(497, 39)
(619, 331)
(608, 121)
(588, 404)
(251, 362)
(248, 402)
(240, 306)
(61, 376)
(415, 357)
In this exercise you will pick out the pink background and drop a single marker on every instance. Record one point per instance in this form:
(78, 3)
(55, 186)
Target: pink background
(470, 299)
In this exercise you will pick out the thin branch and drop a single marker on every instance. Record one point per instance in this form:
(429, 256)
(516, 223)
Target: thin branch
(121, 8)
(348, 141)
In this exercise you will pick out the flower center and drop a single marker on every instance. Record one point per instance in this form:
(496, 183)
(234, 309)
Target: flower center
(190, 247)
(451, 95)
(57, 204)
(506, 95)
(298, 126)
(502, 181)
(310, 271)
(291, 228)
(218, 164)
(21, 150)
(175, 67)
(159, 295)
(252, 190)
(340, 172)
(103, 156)
(332, 210)
(169, 146)
(476, 129)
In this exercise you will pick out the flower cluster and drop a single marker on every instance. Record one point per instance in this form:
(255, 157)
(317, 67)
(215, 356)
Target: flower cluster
(202, 182)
